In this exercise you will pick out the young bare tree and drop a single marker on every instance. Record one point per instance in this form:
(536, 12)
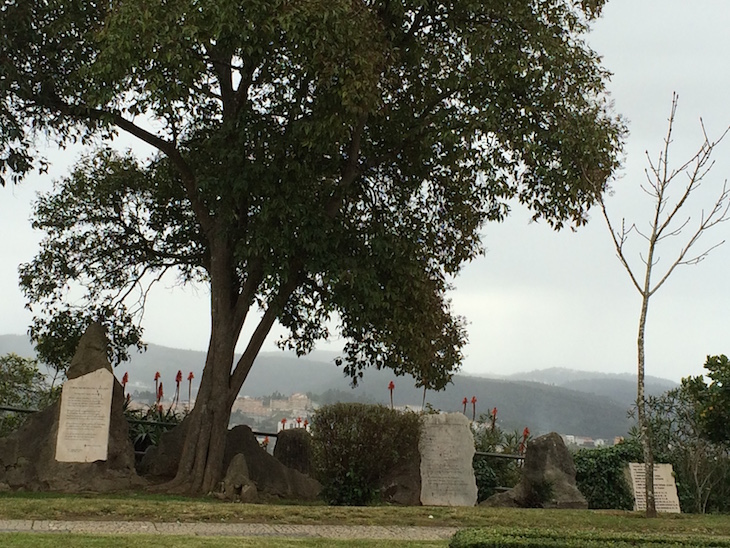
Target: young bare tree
(668, 221)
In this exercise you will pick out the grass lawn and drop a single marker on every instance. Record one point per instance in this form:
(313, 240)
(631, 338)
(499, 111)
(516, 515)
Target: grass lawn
(144, 507)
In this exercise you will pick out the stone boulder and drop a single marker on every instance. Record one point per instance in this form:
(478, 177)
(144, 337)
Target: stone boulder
(237, 485)
(294, 449)
(27, 456)
(402, 485)
(160, 461)
(269, 475)
(548, 478)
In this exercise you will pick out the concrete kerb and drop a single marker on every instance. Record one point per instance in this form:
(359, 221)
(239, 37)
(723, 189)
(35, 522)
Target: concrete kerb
(375, 532)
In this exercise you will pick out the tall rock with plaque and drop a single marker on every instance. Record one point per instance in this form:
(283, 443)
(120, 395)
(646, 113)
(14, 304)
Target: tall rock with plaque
(80, 443)
(446, 447)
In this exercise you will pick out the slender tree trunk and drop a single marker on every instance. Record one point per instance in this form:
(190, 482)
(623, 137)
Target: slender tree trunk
(644, 430)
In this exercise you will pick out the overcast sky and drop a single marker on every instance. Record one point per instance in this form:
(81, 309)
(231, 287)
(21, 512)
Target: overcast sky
(537, 298)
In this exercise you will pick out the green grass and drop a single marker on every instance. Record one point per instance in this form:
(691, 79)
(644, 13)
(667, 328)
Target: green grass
(38, 540)
(144, 507)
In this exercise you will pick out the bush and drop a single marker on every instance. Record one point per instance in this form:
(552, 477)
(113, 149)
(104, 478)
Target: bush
(147, 425)
(491, 472)
(600, 475)
(355, 445)
(22, 385)
(542, 538)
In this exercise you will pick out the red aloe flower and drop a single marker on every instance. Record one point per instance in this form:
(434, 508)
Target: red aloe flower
(494, 417)
(125, 379)
(178, 380)
(283, 423)
(159, 393)
(190, 387)
(465, 401)
(473, 408)
(391, 386)
(523, 443)
(299, 421)
(157, 382)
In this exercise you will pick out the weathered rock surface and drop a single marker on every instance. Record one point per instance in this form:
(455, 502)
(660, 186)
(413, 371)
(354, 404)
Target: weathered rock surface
(402, 485)
(160, 461)
(267, 473)
(91, 353)
(548, 478)
(237, 485)
(294, 449)
(446, 446)
(27, 456)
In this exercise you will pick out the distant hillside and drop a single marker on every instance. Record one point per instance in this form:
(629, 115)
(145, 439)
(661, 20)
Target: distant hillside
(577, 403)
(620, 387)
(16, 344)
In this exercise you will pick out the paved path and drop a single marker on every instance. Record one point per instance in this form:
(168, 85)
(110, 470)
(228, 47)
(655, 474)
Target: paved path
(229, 529)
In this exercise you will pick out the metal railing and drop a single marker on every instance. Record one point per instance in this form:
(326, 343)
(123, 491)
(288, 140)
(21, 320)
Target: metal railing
(133, 421)
(500, 455)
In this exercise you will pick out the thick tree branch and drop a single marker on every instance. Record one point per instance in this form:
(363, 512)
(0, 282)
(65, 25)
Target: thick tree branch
(166, 147)
(245, 362)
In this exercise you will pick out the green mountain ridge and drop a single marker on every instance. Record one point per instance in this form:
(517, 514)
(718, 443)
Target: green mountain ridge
(587, 404)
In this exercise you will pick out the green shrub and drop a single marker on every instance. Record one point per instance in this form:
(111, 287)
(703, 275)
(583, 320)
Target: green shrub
(147, 425)
(546, 538)
(22, 385)
(493, 472)
(601, 478)
(355, 445)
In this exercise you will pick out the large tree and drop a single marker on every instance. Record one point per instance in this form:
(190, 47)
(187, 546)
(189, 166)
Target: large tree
(327, 162)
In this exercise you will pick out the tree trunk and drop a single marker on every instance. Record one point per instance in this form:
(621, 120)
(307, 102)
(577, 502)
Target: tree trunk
(644, 429)
(201, 462)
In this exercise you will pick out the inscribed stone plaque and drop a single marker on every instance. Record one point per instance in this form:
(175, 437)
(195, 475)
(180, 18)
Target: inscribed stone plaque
(665, 489)
(447, 448)
(83, 424)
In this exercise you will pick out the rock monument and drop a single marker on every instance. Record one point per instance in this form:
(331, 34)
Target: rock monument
(666, 499)
(81, 442)
(446, 447)
(548, 478)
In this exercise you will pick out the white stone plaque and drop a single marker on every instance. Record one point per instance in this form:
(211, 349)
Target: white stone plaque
(665, 488)
(447, 449)
(83, 424)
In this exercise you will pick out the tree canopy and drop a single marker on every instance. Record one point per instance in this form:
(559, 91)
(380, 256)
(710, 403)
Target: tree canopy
(317, 160)
(713, 399)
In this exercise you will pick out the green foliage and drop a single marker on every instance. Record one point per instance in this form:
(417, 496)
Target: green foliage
(23, 386)
(683, 426)
(548, 538)
(489, 472)
(147, 425)
(330, 157)
(713, 399)
(355, 445)
(314, 160)
(601, 474)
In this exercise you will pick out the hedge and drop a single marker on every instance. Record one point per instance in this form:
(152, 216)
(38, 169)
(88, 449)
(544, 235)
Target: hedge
(546, 538)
